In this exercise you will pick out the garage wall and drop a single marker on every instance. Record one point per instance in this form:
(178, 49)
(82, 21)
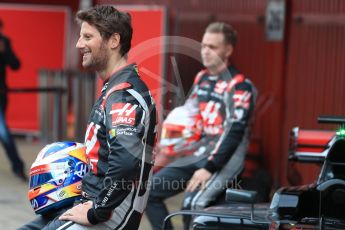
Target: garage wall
(315, 70)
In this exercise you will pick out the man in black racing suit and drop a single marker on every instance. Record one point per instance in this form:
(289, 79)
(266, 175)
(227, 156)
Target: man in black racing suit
(120, 135)
(225, 99)
(119, 141)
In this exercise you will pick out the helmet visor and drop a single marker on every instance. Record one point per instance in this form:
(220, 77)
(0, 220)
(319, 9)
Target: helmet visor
(40, 179)
(57, 173)
(172, 131)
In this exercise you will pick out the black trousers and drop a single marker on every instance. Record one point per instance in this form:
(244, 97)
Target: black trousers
(9, 145)
(168, 182)
(45, 221)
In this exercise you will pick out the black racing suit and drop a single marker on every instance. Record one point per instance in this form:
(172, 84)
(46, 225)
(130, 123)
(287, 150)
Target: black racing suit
(225, 102)
(120, 138)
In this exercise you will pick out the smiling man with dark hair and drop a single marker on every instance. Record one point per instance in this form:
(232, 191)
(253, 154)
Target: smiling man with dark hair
(121, 131)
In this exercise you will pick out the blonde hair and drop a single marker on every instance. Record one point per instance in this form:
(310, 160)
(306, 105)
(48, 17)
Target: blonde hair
(230, 34)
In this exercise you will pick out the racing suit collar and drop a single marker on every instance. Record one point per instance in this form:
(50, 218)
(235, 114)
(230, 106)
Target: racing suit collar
(230, 71)
(117, 76)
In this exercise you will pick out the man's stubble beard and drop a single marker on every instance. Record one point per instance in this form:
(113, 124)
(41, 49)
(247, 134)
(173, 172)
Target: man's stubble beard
(99, 62)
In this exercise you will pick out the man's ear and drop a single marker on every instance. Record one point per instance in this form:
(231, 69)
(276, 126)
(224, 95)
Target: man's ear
(114, 41)
(229, 49)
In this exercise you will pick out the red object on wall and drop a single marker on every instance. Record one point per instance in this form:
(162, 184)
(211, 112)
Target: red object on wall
(38, 37)
(315, 68)
(148, 46)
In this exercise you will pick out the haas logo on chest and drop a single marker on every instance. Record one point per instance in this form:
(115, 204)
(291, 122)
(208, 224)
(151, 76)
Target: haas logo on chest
(220, 87)
(123, 113)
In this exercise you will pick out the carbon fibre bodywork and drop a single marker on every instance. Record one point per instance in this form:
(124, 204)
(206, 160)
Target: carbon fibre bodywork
(320, 205)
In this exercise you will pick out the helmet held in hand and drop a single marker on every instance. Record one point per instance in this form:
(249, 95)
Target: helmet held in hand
(56, 175)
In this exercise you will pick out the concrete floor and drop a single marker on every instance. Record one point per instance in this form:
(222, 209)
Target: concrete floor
(15, 209)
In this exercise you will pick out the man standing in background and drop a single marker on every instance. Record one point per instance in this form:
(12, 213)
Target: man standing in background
(8, 58)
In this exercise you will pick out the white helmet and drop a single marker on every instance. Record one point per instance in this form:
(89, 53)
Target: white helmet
(181, 130)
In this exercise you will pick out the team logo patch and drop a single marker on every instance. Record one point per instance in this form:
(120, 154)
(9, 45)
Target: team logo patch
(211, 117)
(123, 113)
(220, 87)
(112, 133)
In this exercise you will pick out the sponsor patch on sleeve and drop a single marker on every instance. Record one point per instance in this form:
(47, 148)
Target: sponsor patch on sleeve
(242, 99)
(123, 114)
(112, 133)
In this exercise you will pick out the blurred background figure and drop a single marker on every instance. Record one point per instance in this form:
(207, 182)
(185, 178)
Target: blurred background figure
(224, 99)
(8, 58)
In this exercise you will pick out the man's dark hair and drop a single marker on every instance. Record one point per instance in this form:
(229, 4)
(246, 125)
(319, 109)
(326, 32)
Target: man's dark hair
(108, 20)
(230, 34)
